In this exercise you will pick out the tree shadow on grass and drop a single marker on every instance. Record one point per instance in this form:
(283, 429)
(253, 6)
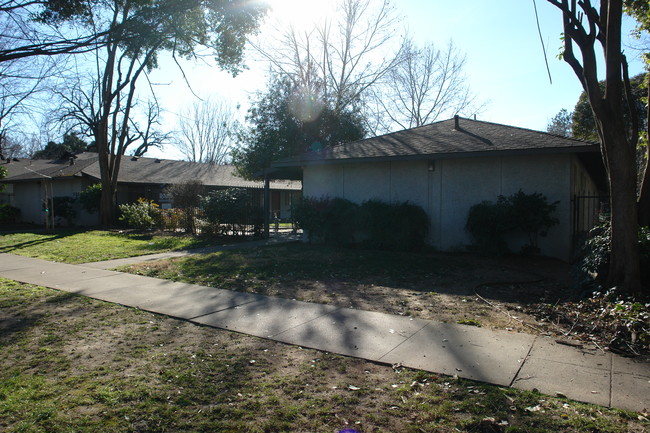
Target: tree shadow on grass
(47, 237)
(291, 270)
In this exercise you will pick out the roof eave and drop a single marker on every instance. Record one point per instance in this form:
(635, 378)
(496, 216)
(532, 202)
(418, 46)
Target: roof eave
(431, 156)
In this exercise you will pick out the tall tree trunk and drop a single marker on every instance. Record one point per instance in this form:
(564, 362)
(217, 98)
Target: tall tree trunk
(644, 192)
(107, 202)
(624, 264)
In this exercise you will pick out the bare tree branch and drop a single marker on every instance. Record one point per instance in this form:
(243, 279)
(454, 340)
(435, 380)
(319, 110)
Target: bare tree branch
(207, 131)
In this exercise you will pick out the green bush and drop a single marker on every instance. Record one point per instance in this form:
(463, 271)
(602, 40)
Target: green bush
(142, 215)
(374, 224)
(90, 198)
(329, 220)
(8, 214)
(63, 207)
(308, 214)
(399, 226)
(490, 222)
(593, 261)
(533, 215)
(232, 211)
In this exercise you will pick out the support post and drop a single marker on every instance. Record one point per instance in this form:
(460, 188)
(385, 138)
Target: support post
(267, 205)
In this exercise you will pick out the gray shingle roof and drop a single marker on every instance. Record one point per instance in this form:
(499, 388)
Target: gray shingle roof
(138, 171)
(165, 171)
(39, 169)
(443, 139)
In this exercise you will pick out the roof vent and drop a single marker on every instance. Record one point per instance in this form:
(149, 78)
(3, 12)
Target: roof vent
(157, 161)
(134, 158)
(71, 161)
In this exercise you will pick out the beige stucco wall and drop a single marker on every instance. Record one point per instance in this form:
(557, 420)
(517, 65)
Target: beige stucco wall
(452, 186)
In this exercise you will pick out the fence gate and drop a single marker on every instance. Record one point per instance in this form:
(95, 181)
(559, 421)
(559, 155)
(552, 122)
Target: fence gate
(587, 213)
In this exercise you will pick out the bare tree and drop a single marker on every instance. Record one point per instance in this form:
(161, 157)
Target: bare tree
(20, 83)
(148, 136)
(585, 28)
(343, 57)
(428, 83)
(207, 131)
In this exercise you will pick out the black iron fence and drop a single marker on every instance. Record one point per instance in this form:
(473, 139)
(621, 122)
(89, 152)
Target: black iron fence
(195, 221)
(588, 211)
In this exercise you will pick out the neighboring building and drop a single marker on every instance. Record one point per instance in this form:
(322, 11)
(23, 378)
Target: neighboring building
(30, 181)
(446, 167)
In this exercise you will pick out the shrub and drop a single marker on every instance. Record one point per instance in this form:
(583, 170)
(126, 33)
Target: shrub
(8, 214)
(489, 222)
(90, 198)
(232, 211)
(399, 226)
(187, 196)
(593, 261)
(531, 214)
(172, 219)
(62, 207)
(142, 215)
(329, 220)
(375, 224)
(308, 214)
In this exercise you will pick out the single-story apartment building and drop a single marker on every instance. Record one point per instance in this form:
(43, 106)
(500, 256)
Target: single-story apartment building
(30, 181)
(448, 166)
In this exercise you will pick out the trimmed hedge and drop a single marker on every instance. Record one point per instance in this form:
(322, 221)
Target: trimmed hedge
(489, 222)
(373, 224)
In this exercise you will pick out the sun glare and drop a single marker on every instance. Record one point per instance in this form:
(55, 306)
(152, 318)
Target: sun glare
(301, 14)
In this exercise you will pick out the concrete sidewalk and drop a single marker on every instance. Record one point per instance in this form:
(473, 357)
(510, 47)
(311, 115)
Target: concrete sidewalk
(500, 357)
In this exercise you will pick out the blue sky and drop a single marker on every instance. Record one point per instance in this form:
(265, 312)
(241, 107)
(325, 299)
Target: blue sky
(505, 64)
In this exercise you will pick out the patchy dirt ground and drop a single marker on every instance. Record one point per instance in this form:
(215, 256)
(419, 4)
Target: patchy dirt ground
(82, 365)
(521, 294)
(493, 295)
(480, 291)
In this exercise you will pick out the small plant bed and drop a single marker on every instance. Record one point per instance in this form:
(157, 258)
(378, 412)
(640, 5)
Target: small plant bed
(82, 365)
(75, 246)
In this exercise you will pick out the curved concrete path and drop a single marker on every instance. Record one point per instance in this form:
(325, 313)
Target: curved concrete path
(500, 357)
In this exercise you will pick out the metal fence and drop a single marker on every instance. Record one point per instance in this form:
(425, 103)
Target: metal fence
(195, 221)
(588, 211)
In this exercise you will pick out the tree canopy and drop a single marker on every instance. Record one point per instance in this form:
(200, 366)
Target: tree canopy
(584, 125)
(290, 119)
(71, 144)
(561, 124)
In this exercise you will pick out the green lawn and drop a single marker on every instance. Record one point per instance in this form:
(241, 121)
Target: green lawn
(73, 364)
(73, 246)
